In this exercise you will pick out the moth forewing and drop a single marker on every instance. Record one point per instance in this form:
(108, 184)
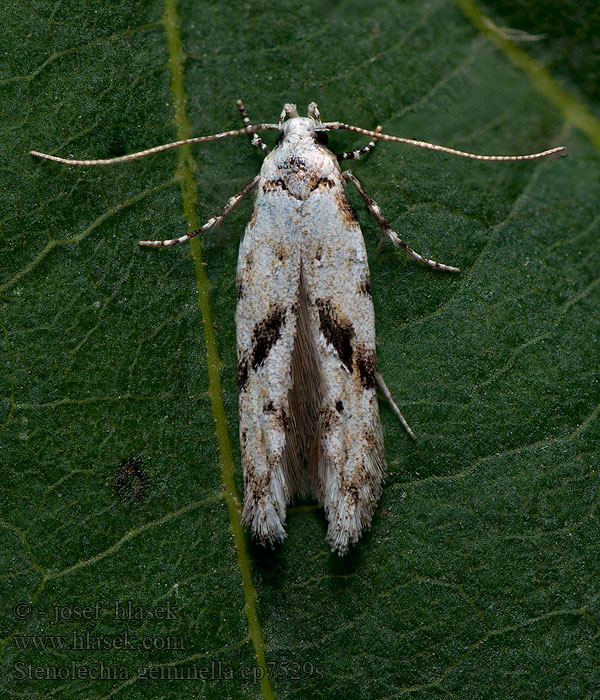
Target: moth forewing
(351, 461)
(268, 280)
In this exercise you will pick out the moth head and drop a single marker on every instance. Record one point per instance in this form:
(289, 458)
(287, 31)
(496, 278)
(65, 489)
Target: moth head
(296, 128)
(289, 110)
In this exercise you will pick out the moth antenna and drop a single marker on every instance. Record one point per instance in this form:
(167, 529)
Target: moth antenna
(558, 152)
(149, 151)
(289, 110)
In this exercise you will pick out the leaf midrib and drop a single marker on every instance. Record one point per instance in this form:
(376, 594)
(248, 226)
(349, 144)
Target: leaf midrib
(214, 364)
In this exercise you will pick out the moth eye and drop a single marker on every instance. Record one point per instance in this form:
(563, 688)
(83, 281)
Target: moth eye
(322, 137)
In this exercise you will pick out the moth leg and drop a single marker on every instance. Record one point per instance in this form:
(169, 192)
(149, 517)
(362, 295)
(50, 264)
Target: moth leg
(388, 232)
(256, 140)
(386, 392)
(217, 220)
(357, 155)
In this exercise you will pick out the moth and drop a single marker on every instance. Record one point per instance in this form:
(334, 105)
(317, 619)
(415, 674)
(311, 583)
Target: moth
(308, 415)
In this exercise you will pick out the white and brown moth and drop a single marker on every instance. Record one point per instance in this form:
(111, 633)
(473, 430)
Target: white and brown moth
(308, 416)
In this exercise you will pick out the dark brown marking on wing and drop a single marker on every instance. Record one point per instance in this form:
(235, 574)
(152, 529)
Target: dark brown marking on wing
(285, 420)
(364, 286)
(371, 440)
(322, 183)
(261, 485)
(273, 185)
(350, 491)
(345, 208)
(337, 331)
(239, 289)
(242, 373)
(326, 418)
(297, 164)
(280, 252)
(265, 334)
(365, 364)
(253, 219)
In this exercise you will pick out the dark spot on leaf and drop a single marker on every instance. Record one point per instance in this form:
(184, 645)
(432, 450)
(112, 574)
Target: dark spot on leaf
(131, 480)
(269, 407)
(337, 331)
(339, 406)
(265, 334)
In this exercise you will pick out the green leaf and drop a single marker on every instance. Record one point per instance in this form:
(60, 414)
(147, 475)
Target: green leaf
(118, 444)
